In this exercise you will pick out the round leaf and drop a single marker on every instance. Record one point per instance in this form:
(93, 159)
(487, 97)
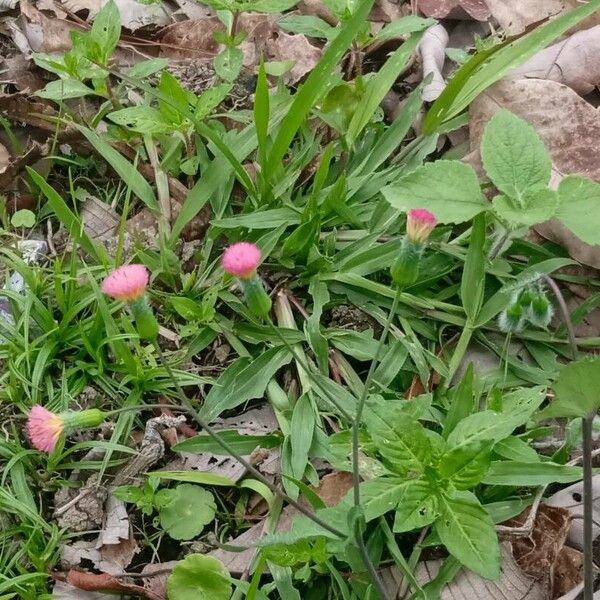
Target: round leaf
(199, 577)
(187, 511)
(23, 218)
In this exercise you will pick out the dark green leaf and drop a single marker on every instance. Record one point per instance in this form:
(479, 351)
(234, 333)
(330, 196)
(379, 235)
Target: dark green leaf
(465, 466)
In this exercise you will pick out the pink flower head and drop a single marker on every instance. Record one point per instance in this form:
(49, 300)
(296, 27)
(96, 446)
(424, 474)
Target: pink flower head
(126, 283)
(44, 428)
(241, 259)
(419, 224)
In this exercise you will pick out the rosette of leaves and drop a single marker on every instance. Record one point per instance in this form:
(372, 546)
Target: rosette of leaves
(519, 166)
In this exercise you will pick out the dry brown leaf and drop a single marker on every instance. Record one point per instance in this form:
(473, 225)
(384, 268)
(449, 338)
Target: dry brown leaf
(441, 9)
(574, 62)
(333, 487)
(569, 127)
(64, 591)
(96, 582)
(568, 570)
(15, 71)
(513, 584)
(194, 39)
(158, 583)
(385, 11)
(100, 220)
(318, 9)
(45, 34)
(514, 16)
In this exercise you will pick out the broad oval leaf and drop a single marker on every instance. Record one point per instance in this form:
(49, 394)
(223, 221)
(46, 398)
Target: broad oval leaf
(465, 466)
(199, 577)
(448, 188)
(579, 207)
(186, 510)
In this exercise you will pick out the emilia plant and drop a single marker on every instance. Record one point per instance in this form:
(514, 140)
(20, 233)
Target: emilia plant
(334, 355)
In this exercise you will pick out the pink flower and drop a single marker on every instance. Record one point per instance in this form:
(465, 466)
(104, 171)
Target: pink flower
(126, 283)
(241, 260)
(419, 224)
(44, 428)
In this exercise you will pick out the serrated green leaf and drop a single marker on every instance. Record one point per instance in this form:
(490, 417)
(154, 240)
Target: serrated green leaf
(63, 89)
(467, 531)
(187, 509)
(538, 204)
(199, 577)
(579, 206)
(577, 390)
(448, 188)
(513, 155)
(465, 466)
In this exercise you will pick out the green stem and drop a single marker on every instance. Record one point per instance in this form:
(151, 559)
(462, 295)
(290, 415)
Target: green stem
(189, 409)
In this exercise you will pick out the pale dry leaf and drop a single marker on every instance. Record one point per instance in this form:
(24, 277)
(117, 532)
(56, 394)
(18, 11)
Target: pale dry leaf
(100, 220)
(576, 594)
(317, 8)
(4, 158)
(513, 584)
(157, 584)
(432, 48)
(385, 11)
(45, 34)
(116, 523)
(115, 558)
(569, 127)
(442, 9)
(515, 16)
(16, 71)
(574, 62)
(568, 570)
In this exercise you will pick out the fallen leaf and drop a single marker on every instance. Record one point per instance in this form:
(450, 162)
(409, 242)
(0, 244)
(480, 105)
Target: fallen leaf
(569, 127)
(513, 584)
(515, 16)
(568, 570)
(433, 54)
(333, 487)
(195, 39)
(45, 34)
(441, 9)
(16, 71)
(95, 582)
(156, 577)
(100, 220)
(64, 591)
(385, 11)
(573, 62)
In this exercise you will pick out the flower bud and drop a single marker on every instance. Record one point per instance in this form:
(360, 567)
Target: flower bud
(145, 321)
(419, 224)
(526, 297)
(257, 299)
(405, 269)
(511, 319)
(91, 417)
(541, 311)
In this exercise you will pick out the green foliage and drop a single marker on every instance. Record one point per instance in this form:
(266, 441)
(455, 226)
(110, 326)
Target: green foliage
(199, 577)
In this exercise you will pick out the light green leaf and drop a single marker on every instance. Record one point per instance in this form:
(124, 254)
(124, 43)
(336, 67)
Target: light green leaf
(309, 25)
(538, 204)
(143, 119)
(145, 68)
(577, 390)
(199, 577)
(243, 444)
(193, 476)
(302, 428)
(417, 508)
(210, 99)
(465, 466)
(514, 448)
(106, 29)
(185, 510)
(403, 25)
(243, 380)
(579, 208)
(63, 89)
(447, 188)
(518, 406)
(467, 531)
(530, 473)
(228, 63)
(513, 155)
(23, 218)
(403, 441)
(472, 285)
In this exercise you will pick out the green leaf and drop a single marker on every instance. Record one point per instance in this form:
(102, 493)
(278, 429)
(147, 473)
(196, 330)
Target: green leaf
(243, 444)
(243, 380)
(106, 29)
(514, 448)
(312, 326)
(145, 68)
(315, 84)
(143, 119)
(487, 67)
(462, 402)
(402, 440)
(199, 577)
(513, 155)
(465, 466)
(530, 474)
(472, 285)
(211, 99)
(467, 531)
(577, 390)
(23, 218)
(302, 429)
(63, 89)
(131, 176)
(185, 510)
(517, 408)
(579, 205)
(403, 25)
(448, 188)
(228, 63)
(193, 476)
(538, 204)
(378, 86)
(309, 25)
